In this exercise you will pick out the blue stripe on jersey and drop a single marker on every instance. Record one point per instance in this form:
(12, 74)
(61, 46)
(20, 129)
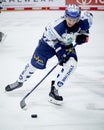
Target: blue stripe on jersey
(62, 27)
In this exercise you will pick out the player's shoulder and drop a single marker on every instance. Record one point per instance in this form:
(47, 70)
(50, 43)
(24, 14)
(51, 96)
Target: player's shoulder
(86, 20)
(58, 21)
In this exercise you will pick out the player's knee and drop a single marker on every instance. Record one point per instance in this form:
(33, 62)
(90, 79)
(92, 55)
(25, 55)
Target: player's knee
(72, 62)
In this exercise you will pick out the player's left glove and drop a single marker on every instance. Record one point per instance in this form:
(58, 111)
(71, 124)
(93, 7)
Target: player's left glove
(80, 39)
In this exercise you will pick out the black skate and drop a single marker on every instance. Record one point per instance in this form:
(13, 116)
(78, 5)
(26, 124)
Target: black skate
(13, 86)
(2, 37)
(54, 96)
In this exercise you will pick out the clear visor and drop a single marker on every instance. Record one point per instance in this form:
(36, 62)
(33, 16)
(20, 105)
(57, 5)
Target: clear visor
(72, 19)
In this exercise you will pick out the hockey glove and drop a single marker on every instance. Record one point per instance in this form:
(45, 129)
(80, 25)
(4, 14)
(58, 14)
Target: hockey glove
(61, 53)
(64, 59)
(80, 39)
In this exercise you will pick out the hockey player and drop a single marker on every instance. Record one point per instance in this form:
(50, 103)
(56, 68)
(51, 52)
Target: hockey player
(58, 39)
(1, 6)
(2, 35)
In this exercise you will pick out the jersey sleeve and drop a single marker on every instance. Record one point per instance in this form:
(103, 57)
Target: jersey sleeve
(50, 36)
(88, 17)
(86, 22)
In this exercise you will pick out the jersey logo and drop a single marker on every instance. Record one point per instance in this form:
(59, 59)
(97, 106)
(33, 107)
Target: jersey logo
(38, 60)
(68, 38)
(84, 2)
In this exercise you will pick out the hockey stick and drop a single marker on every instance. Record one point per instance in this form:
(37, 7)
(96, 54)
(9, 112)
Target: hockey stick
(22, 102)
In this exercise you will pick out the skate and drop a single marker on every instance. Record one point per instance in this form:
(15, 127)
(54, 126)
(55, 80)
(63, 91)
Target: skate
(54, 96)
(13, 86)
(2, 37)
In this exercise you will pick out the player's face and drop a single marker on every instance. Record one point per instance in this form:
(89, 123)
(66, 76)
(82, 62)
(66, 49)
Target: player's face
(71, 22)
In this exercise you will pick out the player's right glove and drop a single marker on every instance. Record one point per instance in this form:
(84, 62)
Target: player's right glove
(61, 53)
(82, 38)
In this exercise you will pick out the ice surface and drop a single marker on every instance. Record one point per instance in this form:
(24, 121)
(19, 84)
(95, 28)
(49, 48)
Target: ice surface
(83, 107)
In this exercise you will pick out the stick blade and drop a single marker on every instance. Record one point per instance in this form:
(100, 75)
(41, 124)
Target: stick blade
(22, 104)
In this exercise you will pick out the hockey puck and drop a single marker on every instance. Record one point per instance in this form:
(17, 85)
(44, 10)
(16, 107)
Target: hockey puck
(34, 116)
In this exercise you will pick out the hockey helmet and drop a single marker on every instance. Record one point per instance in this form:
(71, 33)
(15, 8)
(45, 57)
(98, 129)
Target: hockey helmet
(73, 11)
